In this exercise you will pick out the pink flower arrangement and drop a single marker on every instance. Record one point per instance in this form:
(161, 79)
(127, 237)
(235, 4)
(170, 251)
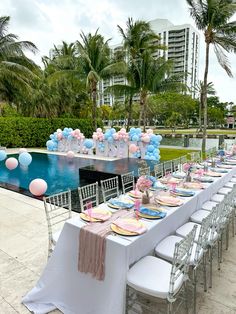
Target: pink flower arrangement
(187, 167)
(143, 183)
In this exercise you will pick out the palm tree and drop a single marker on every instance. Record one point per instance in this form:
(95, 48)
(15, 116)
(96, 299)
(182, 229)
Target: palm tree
(213, 18)
(199, 90)
(17, 72)
(96, 62)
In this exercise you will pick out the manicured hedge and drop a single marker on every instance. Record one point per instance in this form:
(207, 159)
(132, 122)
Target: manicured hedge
(34, 132)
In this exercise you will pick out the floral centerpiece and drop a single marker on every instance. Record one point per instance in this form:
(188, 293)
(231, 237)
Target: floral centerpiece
(187, 167)
(143, 184)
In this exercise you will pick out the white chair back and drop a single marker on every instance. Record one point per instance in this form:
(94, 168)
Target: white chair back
(127, 181)
(144, 171)
(158, 170)
(88, 193)
(110, 188)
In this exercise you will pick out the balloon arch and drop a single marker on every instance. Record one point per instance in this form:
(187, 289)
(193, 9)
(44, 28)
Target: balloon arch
(121, 144)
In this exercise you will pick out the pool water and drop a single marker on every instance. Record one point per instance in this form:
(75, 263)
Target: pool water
(60, 173)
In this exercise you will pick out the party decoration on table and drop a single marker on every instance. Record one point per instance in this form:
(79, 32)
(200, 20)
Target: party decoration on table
(204, 179)
(151, 213)
(3, 155)
(224, 166)
(143, 184)
(158, 186)
(95, 214)
(168, 200)
(220, 170)
(187, 167)
(128, 227)
(179, 174)
(25, 159)
(118, 203)
(193, 185)
(135, 194)
(11, 163)
(38, 187)
(212, 174)
(137, 204)
(182, 192)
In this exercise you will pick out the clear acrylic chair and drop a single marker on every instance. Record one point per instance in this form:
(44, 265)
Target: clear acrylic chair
(153, 278)
(176, 164)
(165, 249)
(183, 159)
(127, 181)
(158, 171)
(168, 167)
(110, 188)
(58, 210)
(88, 193)
(144, 171)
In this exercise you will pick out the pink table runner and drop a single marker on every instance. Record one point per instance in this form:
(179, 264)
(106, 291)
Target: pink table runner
(92, 245)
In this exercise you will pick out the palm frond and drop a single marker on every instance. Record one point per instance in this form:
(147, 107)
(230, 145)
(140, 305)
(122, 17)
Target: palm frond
(222, 59)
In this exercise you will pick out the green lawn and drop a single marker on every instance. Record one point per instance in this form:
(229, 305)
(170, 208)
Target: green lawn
(171, 153)
(193, 131)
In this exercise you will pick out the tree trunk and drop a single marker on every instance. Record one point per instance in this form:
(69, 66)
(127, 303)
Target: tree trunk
(94, 108)
(204, 99)
(142, 115)
(129, 113)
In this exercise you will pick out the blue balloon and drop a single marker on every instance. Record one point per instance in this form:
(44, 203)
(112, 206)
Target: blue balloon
(135, 138)
(112, 131)
(159, 138)
(3, 155)
(139, 131)
(51, 136)
(88, 143)
(110, 139)
(25, 159)
(150, 148)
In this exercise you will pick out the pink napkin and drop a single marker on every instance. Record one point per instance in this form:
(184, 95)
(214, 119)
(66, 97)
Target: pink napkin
(92, 245)
(129, 226)
(97, 214)
(169, 200)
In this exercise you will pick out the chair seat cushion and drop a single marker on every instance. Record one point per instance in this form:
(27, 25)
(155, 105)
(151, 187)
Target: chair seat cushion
(186, 228)
(199, 215)
(224, 191)
(165, 249)
(209, 205)
(56, 236)
(229, 184)
(218, 198)
(151, 275)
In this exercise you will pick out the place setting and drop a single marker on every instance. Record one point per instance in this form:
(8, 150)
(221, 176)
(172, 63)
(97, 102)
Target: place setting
(96, 214)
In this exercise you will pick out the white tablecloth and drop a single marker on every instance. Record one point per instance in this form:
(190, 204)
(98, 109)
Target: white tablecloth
(62, 286)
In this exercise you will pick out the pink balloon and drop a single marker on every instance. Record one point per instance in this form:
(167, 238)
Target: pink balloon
(150, 131)
(146, 139)
(132, 148)
(95, 137)
(123, 130)
(70, 154)
(22, 150)
(77, 131)
(115, 136)
(73, 133)
(11, 163)
(38, 187)
(99, 130)
(59, 136)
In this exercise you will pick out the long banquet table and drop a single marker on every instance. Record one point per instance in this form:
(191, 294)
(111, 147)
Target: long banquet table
(62, 286)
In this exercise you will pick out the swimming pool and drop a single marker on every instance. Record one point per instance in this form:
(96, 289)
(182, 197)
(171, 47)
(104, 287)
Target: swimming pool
(60, 173)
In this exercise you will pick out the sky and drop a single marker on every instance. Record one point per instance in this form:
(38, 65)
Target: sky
(48, 22)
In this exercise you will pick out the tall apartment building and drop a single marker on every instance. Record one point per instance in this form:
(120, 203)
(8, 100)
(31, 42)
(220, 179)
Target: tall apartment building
(182, 42)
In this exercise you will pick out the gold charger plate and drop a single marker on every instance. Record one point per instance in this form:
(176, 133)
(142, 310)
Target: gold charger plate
(117, 207)
(148, 217)
(124, 232)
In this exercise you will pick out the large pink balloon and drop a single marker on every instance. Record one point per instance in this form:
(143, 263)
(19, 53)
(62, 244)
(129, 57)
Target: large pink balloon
(146, 139)
(38, 187)
(70, 154)
(132, 148)
(11, 163)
